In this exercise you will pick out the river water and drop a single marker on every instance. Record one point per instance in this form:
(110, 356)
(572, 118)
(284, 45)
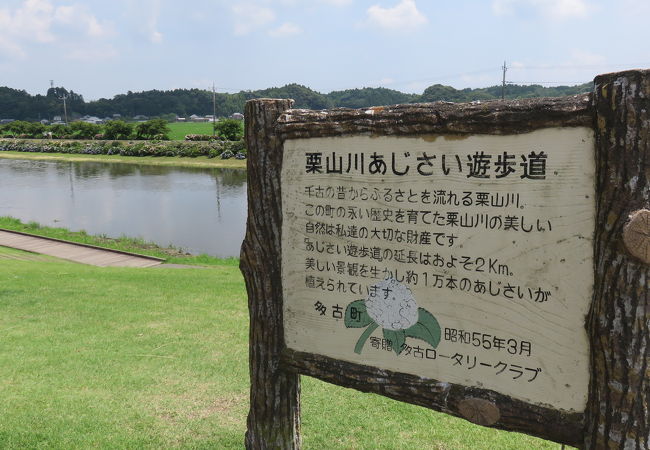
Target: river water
(198, 210)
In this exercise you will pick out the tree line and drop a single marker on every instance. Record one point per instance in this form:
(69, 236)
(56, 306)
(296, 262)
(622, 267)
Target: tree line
(19, 105)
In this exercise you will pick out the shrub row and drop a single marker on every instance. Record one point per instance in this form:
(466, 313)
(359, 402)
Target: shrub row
(212, 149)
(203, 137)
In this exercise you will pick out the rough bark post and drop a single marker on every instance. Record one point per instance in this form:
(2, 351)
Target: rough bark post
(619, 320)
(274, 416)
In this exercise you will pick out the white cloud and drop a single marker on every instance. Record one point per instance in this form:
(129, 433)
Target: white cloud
(11, 48)
(286, 29)
(478, 80)
(145, 15)
(249, 16)
(92, 53)
(306, 2)
(586, 58)
(576, 58)
(402, 17)
(565, 9)
(252, 15)
(635, 7)
(155, 36)
(31, 21)
(36, 21)
(553, 9)
(76, 15)
(151, 24)
(337, 2)
(415, 86)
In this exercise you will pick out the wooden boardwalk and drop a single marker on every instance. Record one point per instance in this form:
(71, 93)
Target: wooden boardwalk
(81, 253)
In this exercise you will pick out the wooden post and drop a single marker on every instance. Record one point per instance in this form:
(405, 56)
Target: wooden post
(274, 416)
(618, 324)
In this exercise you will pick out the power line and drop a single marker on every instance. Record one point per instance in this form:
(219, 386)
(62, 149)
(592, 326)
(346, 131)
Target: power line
(434, 78)
(546, 82)
(439, 77)
(583, 66)
(423, 80)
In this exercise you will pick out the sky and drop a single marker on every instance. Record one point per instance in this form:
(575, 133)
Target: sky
(101, 48)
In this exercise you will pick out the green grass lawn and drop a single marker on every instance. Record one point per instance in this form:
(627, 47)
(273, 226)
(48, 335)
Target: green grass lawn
(180, 129)
(157, 358)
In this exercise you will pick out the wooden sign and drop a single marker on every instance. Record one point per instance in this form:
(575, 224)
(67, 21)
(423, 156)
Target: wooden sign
(484, 260)
(465, 260)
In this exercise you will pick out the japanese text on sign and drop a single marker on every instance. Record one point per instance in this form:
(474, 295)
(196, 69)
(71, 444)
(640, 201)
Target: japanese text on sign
(462, 260)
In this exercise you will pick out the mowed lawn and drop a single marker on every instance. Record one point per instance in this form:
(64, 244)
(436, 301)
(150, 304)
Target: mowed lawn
(157, 358)
(180, 129)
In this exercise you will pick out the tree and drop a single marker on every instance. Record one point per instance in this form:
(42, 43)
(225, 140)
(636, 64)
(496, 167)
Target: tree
(59, 130)
(35, 129)
(117, 129)
(361, 98)
(154, 128)
(20, 105)
(17, 127)
(231, 129)
(84, 130)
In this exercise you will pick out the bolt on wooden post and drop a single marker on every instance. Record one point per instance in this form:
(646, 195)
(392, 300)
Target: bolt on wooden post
(489, 261)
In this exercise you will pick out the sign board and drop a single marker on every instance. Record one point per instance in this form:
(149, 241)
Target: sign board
(488, 261)
(466, 260)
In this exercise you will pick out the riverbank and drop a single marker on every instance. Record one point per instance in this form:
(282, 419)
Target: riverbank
(215, 154)
(171, 255)
(171, 161)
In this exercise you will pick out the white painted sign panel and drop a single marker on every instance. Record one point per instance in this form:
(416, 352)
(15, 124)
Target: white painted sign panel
(465, 260)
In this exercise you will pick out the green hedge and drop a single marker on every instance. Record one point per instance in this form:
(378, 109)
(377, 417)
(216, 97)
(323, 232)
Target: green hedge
(211, 149)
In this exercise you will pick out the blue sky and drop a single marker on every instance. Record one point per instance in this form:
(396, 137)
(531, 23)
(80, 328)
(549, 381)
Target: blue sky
(103, 48)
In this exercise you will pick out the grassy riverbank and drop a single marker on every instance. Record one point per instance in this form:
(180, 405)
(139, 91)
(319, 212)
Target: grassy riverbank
(170, 254)
(157, 358)
(176, 161)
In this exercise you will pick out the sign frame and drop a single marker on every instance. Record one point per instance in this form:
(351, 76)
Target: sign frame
(617, 324)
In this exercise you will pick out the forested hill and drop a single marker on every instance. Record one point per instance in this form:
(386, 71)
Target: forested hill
(20, 105)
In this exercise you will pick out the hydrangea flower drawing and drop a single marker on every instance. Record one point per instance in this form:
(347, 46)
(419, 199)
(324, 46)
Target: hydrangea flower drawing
(391, 305)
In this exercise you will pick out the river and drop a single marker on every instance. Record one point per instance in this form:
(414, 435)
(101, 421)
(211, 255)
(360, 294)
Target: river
(198, 210)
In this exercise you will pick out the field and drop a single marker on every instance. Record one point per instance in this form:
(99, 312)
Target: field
(180, 129)
(158, 358)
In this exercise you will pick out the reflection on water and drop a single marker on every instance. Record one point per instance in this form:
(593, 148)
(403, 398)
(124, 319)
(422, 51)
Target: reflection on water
(200, 210)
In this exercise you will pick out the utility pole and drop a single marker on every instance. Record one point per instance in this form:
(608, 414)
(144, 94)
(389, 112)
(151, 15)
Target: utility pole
(503, 83)
(64, 97)
(51, 88)
(214, 111)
